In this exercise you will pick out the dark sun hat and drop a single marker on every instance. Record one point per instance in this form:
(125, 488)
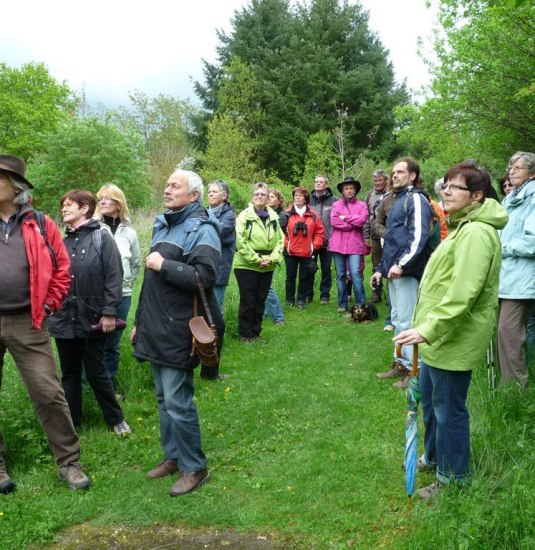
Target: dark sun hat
(349, 180)
(12, 164)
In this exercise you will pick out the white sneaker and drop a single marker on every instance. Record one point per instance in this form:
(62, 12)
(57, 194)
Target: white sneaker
(389, 328)
(122, 429)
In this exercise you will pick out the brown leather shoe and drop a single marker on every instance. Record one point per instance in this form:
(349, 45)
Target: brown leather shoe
(188, 482)
(402, 384)
(165, 468)
(396, 371)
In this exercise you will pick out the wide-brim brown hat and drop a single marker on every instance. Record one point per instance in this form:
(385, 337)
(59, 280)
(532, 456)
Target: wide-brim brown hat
(349, 181)
(15, 165)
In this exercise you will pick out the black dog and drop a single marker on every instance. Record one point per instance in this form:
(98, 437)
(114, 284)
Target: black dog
(363, 312)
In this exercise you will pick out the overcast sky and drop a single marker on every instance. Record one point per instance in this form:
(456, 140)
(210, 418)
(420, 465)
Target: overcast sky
(111, 47)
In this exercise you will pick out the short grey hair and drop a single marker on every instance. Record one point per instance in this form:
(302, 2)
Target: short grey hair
(528, 158)
(438, 186)
(24, 194)
(380, 174)
(261, 185)
(221, 185)
(194, 181)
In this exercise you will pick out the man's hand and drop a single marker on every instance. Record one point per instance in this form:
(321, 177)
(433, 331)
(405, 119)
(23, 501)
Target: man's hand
(377, 277)
(154, 261)
(395, 272)
(132, 334)
(108, 323)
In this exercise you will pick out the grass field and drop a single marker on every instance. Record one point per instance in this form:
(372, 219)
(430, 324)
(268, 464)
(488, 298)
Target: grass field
(304, 444)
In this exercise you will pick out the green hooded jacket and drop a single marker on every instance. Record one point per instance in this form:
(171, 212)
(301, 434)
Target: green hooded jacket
(458, 299)
(256, 240)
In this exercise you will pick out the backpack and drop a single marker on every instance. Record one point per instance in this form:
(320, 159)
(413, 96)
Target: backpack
(434, 227)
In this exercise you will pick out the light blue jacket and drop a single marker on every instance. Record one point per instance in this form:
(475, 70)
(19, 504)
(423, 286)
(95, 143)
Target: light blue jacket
(517, 275)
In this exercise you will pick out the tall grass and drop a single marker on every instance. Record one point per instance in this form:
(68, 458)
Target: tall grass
(304, 443)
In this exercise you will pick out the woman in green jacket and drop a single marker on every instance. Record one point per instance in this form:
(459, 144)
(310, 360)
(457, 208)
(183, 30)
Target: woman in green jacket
(259, 245)
(454, 320)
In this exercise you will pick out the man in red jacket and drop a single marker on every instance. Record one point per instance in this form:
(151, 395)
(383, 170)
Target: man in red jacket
(34, 280)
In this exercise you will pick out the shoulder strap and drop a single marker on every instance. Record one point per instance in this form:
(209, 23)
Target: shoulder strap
(41, 222)
(204, 301)
(97, 240)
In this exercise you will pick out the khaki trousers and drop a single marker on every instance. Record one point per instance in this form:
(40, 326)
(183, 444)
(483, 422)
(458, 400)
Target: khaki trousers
(33, 356)
(514, 315)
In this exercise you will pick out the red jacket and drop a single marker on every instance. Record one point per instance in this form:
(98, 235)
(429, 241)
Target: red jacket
(296, 242)
(47, 285)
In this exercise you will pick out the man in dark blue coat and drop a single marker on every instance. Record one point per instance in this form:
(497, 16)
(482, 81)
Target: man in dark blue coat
(185, 241)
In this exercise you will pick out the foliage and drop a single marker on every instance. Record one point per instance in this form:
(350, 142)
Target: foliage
(32, 104)
(484, 90)
(321, 158)
(298, 66)
(86, 154)
(166, 124)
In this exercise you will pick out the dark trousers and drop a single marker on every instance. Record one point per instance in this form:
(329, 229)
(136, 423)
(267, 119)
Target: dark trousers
(75, 354)
(254, 288)
(325, 260)
(112, 341)
(295, 265)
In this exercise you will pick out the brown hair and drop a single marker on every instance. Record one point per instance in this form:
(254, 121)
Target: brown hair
(81, 198)
(303, 191)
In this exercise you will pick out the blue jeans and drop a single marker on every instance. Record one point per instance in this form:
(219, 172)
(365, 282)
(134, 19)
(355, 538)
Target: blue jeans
(447, 423)
(273, 307)
(403, 294)
(179, 421)
(219, 291)
(112, 342)
(352, 261)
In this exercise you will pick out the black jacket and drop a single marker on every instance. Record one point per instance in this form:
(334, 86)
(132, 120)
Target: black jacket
(96, 283)
(189, 241)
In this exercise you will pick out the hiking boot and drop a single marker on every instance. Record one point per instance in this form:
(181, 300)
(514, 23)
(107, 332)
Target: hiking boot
(375, 299)
(324, 301)
(397, 370)
(281, 322)
(341, 309)
(165, 468)
(431, 491)
(122, 429)
(247, 340)
(402, 384)
(188, 482)
(301, 305)
(421, 466)
(389, 328)
(73, 475)
(7, 485)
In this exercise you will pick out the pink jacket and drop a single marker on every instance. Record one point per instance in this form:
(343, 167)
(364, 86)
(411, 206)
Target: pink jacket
(347, 237)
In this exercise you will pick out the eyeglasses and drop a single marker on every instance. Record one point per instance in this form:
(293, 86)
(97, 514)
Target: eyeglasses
(107, 199)
(453, 187)
(517, 168)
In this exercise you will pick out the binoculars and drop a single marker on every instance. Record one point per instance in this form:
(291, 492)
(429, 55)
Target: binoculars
(300, 226)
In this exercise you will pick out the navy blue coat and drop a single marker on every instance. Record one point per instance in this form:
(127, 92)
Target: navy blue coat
(189, 241)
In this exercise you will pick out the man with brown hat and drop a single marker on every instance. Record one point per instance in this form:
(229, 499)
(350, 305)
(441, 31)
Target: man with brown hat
(34, 280)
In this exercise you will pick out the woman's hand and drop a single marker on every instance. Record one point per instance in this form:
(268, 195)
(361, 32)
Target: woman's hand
(411, 336)
(132, 334)
(108, 323)
(264, 262)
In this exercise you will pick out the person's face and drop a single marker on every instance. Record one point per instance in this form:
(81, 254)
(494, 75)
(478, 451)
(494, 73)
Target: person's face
(320, 184)
(518, 173)
(299, 199)
(456, 195)
(215, 196)
(349, 191)
(379, 182)
(507, 187)
(7, 193)
(260, 197)
(74, 214)
(176, 194)
(108, 206)
(401, 177)
(273, 200)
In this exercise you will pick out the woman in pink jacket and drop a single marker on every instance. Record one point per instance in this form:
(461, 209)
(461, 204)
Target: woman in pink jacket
(348, 216)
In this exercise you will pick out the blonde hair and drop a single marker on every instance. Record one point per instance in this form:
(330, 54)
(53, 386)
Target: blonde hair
(114, 192)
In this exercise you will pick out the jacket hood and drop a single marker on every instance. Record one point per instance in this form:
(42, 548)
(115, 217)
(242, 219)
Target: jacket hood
(193, 210)
(490, 212)
(518, 196)
(91, 225)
